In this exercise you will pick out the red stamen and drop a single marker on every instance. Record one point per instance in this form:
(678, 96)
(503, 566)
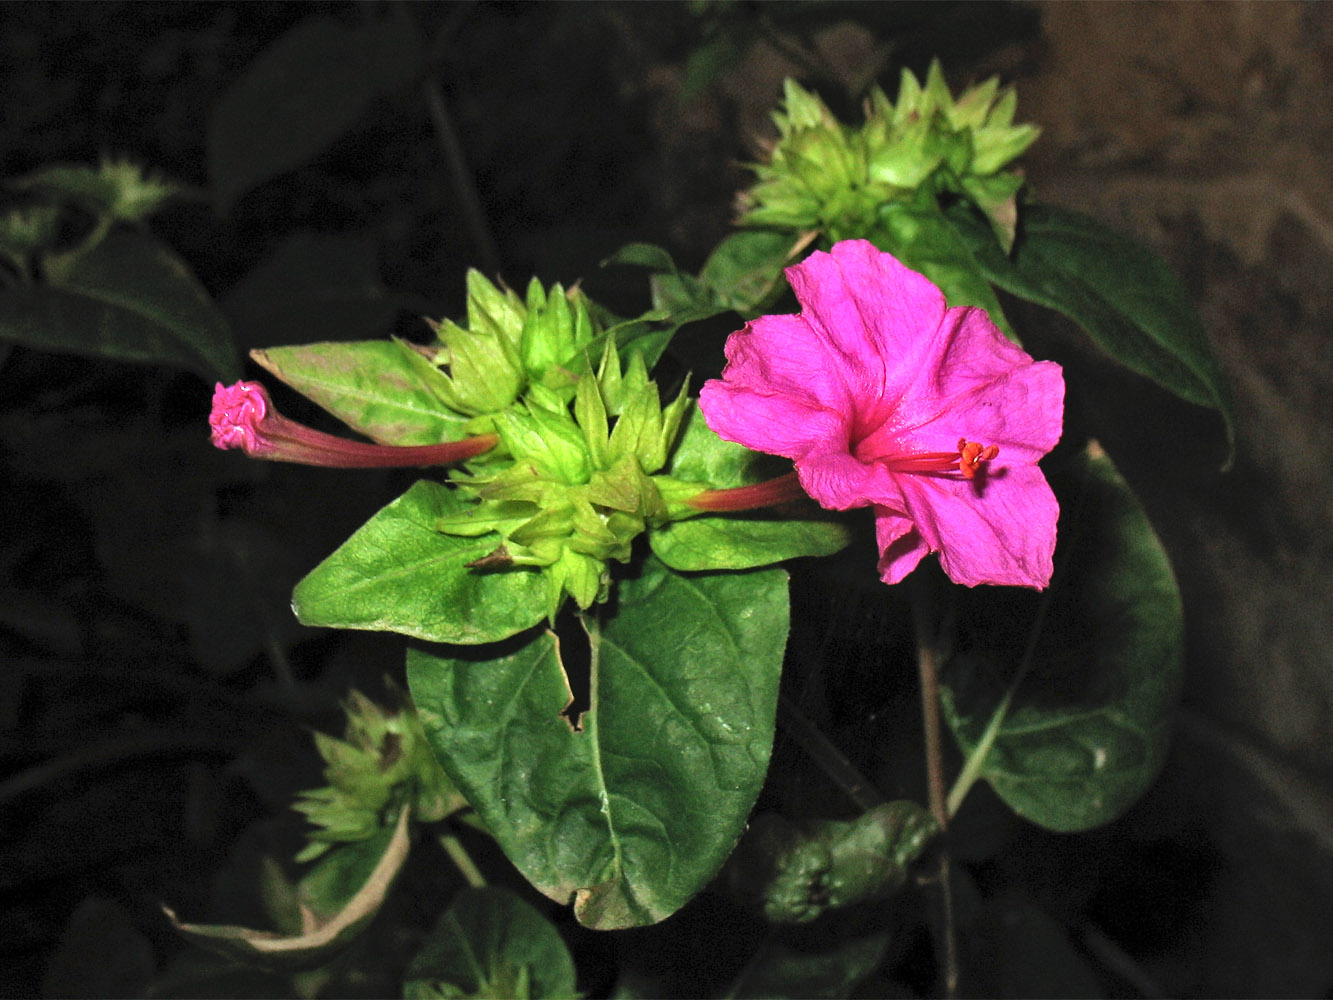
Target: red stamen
(971, 454)
(967, 459)
(769, 493)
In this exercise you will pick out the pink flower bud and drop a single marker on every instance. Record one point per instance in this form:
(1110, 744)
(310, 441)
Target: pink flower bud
(243, 417)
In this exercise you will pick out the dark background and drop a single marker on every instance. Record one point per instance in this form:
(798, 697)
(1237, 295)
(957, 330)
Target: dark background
(154, 691)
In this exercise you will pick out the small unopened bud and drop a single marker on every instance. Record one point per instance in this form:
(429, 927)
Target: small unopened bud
(243, 417)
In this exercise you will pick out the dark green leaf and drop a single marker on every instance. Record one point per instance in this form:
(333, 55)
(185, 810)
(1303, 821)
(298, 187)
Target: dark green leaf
(304, 91)
(830, 966)
(746, 268)
(643, 255)
(1126, 299)
(100, 954)
(129, 298)
(490, 943)
(1071, 741)
(798, 870)
(744, 540)
(707, 63)
(678, 299)
(1015, 950)
(312, 287)
(341, 896)
(398, 574)
(382, 388)
(633, 813)
(918, 234)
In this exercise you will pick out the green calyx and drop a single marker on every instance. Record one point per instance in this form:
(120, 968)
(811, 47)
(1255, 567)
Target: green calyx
(579, 486)
(830, 177)
(510, 344)
(382, 763)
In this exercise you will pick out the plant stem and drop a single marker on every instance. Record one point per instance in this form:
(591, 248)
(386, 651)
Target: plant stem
(110, 752)
(462, 860)
(474, 217)
(830, 759)
(928, 669)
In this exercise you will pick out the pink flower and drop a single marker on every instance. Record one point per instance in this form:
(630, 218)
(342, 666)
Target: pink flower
(243, 417)
(885, 398)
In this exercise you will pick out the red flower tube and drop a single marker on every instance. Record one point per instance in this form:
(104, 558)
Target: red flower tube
(243, 417)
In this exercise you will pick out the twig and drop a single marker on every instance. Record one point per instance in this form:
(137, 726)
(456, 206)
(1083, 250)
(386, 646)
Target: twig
(109, 752)
(928, 670)
(474, 216)
(830, 759)
(462, 860)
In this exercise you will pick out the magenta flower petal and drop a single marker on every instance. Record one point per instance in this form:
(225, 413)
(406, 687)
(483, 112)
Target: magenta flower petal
(884, 397)
(1004, 535)
(238, 410)
(901, 546)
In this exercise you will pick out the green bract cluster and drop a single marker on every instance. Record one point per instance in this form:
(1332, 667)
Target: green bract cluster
(586, 458)
(829, 177)
(382, 764)
(118, 189)
(579, 486)
(511, 344)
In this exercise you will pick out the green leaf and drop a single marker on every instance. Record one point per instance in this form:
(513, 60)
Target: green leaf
(339, 897)
(1071, 738)
(490, 943)
(100, 954)
(129, 298)
(918, 234)
(633, 813)
(303, 92)
(1122, 294)
(745, 270)
(678, 299)
(1013, 949)
(382, 388)
(311, 286)
(823, 965)
(798, 870)
(397, 573)
(736, 541)
(744, 541)
(648, 255)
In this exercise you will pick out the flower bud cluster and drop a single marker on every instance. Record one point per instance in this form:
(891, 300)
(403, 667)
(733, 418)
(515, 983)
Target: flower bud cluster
(823, 175)
(382, 764)
(510, 344)
(580, 486)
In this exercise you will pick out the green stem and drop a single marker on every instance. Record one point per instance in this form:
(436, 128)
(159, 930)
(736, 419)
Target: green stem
(976, 760)
(932, 732)
(462, 860)
(812, 65)
(829, 758)
(474, 216)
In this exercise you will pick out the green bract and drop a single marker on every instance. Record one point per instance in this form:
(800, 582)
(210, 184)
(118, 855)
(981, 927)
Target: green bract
(118, 189)
(829, 177)
(510, 343)
(382, 764)
(579, 487)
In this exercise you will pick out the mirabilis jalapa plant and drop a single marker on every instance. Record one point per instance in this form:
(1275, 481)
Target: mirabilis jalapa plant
(898, 385)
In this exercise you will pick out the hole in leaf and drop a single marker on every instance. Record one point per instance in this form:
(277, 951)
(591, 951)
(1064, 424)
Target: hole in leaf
(576, 657)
